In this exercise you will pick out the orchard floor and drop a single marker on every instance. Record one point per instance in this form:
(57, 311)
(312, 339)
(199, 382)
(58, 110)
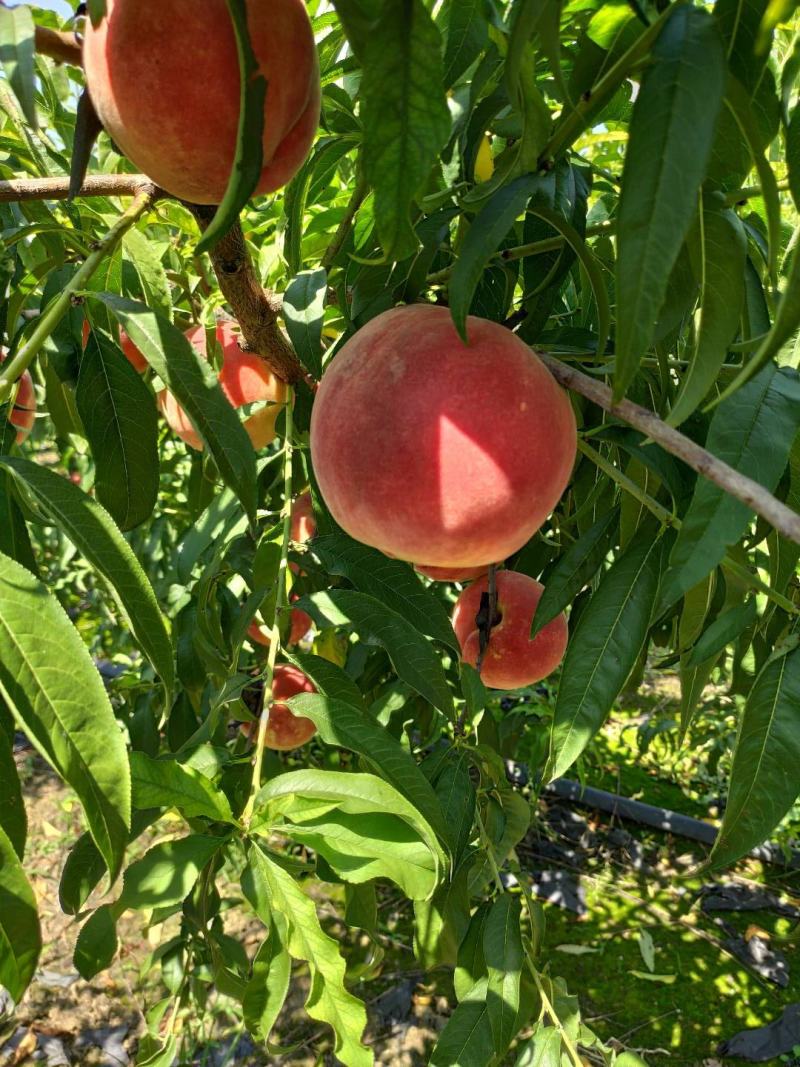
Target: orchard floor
(672, 996)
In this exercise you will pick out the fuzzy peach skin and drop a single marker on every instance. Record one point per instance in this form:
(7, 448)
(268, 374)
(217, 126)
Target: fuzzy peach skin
(284, 730)
(301, 623)
(23, 414)
(163, 76)
(129, 349)
(430, 449)
(244, 378)
(512, 660)
(452, 574)
(304, 525)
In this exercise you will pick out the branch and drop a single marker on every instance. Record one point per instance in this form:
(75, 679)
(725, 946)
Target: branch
(63, 47)
(755, 496)
(255, 308)
(19, 189)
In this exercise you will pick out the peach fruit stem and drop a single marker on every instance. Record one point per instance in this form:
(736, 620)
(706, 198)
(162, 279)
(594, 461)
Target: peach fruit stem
(668, 519)
(16, 367)
(281, 603)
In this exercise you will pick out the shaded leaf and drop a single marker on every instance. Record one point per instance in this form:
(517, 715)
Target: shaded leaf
(163, 783)
(166, 873)
(20, 935)
(303, 310)
(96, 946)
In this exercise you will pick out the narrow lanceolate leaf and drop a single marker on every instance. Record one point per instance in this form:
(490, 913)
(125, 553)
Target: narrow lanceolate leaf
(467, 1039)
(328, 1000)
(20, 935)
(389, 580)
(92, 531)
(330, 679)
(249, 157)
(457, 798)
(13, 819)
(405, 116)
(97, 10)
(723, 631)
(119, 415)
(753, 431)
(792, 136)
(668, 149)
(349, 727)
(604, 648)
(504, 955)
(579, 564)
(484, 237)
(192, 382)
(17, 50)
(303, 309)
(412, 655)
(764, 780)
(96, 946)
(163, 783)
(722, 253)
(268, 985)
(58, 699)
(467, 36)
(166, 874)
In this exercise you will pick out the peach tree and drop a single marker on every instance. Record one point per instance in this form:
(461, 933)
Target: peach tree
(364, 364)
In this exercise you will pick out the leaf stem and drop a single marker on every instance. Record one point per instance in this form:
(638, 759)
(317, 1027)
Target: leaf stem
(487, 844)
(14, 368)
(281, 602)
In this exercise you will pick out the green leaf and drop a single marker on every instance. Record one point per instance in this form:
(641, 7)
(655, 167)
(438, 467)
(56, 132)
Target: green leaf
(722, 253)
(543, 1049)
(764, 782)
(143, 255)
(753, 431)
(405, 116)
(330, 679)
(328, 1000)
(457, 798)
(121, 423)
(96, 946)
(20, 935)
(13, 819)
(792, 135)
(92, 531)
(412, 656)
(389, 580)
(723, 631)
(669, 145)
(268, 985)
(349, 727)
(467, 36)
(484, 237)
(97, 10)
(467, 1039)
(166, 874)
(441, 923)
(574, 569)
(17, 52)
(355, 847)
(57, 697)
(358, 20)
(471, 965)
(303, 310)
(249, 158)
(163, 783)
(14, 538)
(604, 648)
(504, 955)
(193, 384)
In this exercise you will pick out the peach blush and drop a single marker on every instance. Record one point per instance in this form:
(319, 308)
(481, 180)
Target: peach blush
(285, 731)
(512, 660)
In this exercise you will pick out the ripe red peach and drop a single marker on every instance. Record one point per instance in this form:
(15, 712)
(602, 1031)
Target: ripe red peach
(129, 349)
(285, 731)
(23, 414)
(163, 76)
(452, 574)
(431, 449)
(244, 378)
(301, 623)
(512, 660)
(304, 525)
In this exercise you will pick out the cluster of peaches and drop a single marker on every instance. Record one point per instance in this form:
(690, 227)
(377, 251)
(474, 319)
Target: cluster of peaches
(445, 454)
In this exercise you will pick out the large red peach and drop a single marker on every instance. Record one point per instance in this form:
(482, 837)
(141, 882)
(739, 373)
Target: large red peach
(511, 660)
(431, 449)
(304, 525)
(163, 76)
(129, 349)
(244, 378)
(23, 414)
(284, 730)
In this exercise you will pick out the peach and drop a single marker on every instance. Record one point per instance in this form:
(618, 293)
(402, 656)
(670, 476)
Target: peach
(431, 449)
(300, 625)
(164, 78)
(452, 574)
(129, 349)
(244, 378)
(512, 660)
(23, 414)
(285, 730)
(304, 525)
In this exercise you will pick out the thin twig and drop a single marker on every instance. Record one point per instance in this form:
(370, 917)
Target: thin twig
(20, 189)
(63, 47)
(755, 496)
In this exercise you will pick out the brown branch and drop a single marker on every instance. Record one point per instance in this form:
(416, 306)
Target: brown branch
(256, 309)
(755, 496)
(20, 189)
(63, 47)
